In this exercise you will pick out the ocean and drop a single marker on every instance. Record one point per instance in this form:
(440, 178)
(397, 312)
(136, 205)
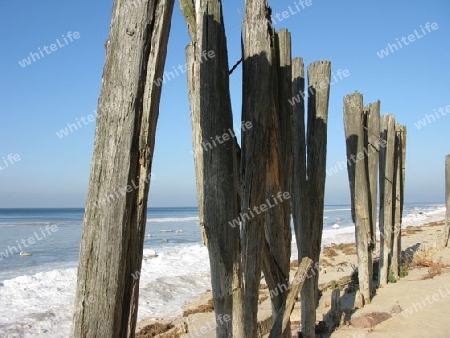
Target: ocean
(37, 291)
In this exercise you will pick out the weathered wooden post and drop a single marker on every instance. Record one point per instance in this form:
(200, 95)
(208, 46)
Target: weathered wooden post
(259, 106)
(447, 199)
(399, 172)
(359, 189)
(217, 173)
(372, 147)
(106, 301)
(277, 252)
(309, 177)
(386, 195)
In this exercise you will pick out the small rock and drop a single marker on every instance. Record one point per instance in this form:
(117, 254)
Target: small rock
(396, 309)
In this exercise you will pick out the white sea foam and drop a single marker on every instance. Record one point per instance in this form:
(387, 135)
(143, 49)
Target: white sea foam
(42, 303)
(172, 219)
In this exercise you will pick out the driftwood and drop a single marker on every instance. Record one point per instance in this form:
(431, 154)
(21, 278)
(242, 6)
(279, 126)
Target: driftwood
(283, 316)
(113, 233)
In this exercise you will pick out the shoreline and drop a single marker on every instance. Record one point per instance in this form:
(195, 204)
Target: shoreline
(337, 263)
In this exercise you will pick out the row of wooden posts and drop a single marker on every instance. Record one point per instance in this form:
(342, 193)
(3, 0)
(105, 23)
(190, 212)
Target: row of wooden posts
(377, 147)
(278, 154)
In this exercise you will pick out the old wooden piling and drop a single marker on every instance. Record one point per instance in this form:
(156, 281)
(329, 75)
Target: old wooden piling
(359, 188)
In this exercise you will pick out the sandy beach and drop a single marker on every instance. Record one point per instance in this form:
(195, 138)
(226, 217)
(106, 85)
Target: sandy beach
(416, 306)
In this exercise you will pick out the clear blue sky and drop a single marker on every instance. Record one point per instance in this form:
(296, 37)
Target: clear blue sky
(40, 99)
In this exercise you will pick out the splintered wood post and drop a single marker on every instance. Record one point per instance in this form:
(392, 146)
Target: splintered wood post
(106, 300)
(359, 186)
(258, 107)
(387, 127)
(310, 231)
(216, 163)
(372, 144)
(277, 252)
(447, 201)
(398, 186)
(299, 189)
(282, 318)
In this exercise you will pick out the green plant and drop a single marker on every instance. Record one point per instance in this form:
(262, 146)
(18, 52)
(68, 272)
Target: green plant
(391, 277)
(334, 285)
(403, 271)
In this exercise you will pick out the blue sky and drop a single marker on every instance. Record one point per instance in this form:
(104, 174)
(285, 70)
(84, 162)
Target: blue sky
(40, 99)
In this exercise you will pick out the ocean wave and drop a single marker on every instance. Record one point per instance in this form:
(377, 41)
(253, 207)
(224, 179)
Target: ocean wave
(172, 219)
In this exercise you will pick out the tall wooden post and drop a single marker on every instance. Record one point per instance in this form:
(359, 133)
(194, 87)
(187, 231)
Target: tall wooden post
(386, 195)
(309, 177)
(216, 165)
(258, 106)
(106, 301)
(399, 172)
(300, 202)
(372, 148)
(359, 188)
(277, 252)
(447, 199)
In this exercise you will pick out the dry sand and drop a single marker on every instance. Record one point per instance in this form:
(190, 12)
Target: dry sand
(418, 305)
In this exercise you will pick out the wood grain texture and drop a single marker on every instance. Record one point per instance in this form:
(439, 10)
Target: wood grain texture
(386, 218)
(359, 185)
(113, 233)
(216, 163)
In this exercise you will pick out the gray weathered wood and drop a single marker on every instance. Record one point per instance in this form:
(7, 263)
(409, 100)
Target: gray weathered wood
(387, 127)
(446, 232)
(258, 107)
(283, 316)
(310, 216)
(400, 136)
(216, 166)
(279, 172)
(372, 145)
(359, 186)
(111, 249)
(447, 200)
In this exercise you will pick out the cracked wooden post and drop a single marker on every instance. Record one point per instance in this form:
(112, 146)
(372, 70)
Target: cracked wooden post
(399, 172)
(106, 301)
(446, 233)
(372, 145)
(309, 176)
(359, 188)
(387, 127)
(258, 107)
(216, 167)
(277, 251)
